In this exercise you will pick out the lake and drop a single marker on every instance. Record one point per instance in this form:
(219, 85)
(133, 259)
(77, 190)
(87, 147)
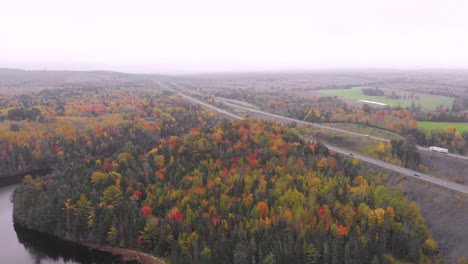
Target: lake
(20, 245)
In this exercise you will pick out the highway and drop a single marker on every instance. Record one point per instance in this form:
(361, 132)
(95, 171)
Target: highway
(420, 176)
(334, 129)
(202, 103)
(448, 154)
(301, 122)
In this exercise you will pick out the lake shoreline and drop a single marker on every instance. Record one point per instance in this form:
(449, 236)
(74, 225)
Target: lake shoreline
(124, 254)
(128, 255)
(17, 178)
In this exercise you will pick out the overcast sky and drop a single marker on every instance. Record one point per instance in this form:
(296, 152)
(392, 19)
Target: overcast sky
(211, 36)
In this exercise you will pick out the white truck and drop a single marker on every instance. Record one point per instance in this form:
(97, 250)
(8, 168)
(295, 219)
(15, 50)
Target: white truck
(437, 149)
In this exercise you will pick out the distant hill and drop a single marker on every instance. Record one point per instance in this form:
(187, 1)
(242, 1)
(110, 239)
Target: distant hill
(26, 80)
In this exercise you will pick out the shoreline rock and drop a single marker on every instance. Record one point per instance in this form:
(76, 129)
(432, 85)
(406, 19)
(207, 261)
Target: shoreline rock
(127, 254)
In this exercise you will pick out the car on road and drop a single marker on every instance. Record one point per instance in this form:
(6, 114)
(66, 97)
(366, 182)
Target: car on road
(416, 174)
(351, 154)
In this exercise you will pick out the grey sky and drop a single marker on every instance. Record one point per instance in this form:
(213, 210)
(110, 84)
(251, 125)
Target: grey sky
(205, 36)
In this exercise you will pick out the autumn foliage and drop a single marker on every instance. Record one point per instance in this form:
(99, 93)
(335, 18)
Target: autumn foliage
(147, 210)
(149, 170)
(262, 208)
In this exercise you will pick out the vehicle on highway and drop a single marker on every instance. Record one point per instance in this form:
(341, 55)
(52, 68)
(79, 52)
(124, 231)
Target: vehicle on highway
(416, 174)
(437, 149)
(351, 154)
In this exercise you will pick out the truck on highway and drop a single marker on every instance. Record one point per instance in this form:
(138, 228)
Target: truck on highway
(437, 149)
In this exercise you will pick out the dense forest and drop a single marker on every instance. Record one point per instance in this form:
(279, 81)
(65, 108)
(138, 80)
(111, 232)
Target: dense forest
(150, 171)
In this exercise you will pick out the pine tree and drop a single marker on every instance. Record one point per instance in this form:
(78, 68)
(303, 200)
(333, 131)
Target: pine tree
(312, 255)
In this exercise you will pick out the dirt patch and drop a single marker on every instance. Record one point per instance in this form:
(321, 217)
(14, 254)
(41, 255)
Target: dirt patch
(445, 167)
(445, 212)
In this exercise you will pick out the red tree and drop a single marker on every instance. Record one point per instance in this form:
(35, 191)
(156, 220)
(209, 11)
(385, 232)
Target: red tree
(147, 210)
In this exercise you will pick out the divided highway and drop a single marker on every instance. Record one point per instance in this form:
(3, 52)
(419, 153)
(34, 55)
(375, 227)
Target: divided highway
(302, 122)
(332, 128)
(202, 103)
(421, 176)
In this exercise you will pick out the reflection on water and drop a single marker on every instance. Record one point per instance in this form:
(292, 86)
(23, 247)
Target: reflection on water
(20, 245)
(48, 248)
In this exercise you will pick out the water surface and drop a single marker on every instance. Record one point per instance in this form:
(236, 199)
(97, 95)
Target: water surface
(20, 245)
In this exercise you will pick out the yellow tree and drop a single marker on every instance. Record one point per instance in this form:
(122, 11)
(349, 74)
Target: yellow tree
(323, 163)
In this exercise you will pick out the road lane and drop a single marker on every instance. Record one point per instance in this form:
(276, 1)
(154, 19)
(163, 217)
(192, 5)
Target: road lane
(421, 176)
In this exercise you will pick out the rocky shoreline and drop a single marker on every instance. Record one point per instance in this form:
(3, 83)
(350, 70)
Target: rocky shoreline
(128, 255)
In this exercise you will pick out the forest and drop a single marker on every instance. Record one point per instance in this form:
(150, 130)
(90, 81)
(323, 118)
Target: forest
(373, 91)
(150, 171)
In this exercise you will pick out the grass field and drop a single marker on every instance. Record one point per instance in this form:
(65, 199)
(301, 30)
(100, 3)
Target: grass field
(428, 102)
(239, 110)
(241, 103)
(365, 130)
(442, 125)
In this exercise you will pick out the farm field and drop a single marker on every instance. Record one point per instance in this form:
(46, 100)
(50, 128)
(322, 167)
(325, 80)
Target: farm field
(461, 127)
(428, 102)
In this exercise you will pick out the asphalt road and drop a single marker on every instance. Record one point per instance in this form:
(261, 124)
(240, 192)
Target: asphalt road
(420, 176)
(202, 103)
(448, 154)
(303, 122)
(335, 129)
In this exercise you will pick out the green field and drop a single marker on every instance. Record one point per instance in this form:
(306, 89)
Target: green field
(362, 129)
(237, 102)
(239, 110)
(428, 102)
(442, 125)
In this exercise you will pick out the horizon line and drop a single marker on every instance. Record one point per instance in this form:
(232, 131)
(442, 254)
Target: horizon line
(254, 71)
